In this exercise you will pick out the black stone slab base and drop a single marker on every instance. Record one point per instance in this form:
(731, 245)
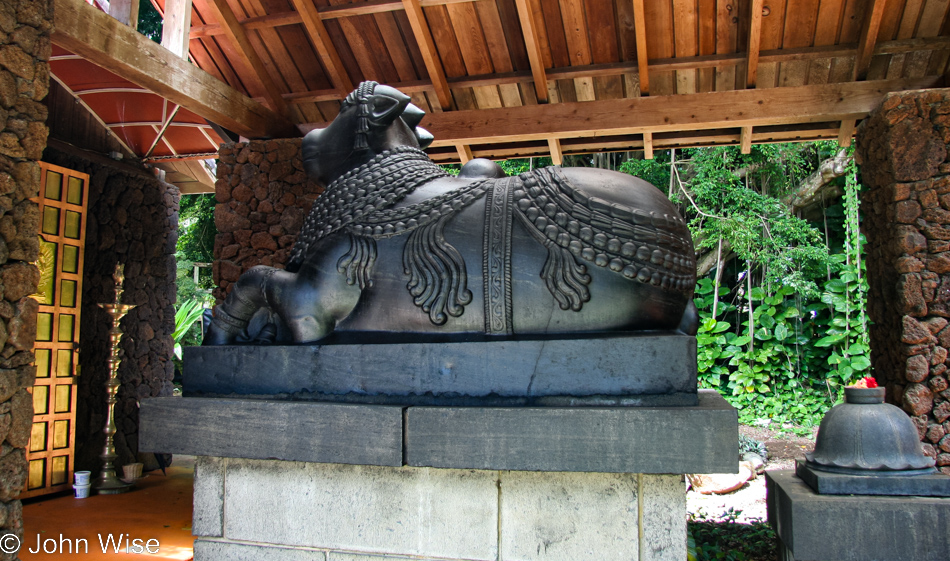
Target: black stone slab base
(699, 439)
(932, 484)
(815, 527)
(604, 370)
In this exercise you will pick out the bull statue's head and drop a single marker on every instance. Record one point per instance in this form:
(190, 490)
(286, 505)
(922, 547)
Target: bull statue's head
(372, 119)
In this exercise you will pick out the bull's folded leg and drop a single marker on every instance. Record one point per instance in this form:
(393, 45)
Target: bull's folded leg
(246, 298)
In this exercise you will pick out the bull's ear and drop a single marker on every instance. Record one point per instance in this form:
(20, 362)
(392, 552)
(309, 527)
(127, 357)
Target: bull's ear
(387, 108)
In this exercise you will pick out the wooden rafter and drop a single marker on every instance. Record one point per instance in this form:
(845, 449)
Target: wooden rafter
(321, 40)
(98, 38)
(247, 54)
(755, 40)
(420, 29)
(745, 140)
(872, 23)
(557, 156)
(846, 132)
(640, 28)
(648, 145)
(528, 22)
(175, 25)
(465, 153)
(714, 110)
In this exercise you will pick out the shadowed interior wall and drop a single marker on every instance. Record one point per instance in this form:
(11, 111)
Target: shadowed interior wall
(902, 150)
(132, 220)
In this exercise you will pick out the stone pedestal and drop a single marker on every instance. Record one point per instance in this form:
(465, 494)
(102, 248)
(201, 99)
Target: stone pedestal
(813, 527)
(282, 480)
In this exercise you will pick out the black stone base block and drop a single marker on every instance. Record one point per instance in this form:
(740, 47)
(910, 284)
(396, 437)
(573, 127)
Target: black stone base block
(605, 370)
(931, 484)
(813, 527)
(699, 439)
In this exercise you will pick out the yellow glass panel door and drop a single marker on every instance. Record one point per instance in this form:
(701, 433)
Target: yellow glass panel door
(62, 205)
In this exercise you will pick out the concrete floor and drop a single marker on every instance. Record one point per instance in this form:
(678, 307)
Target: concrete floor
(158, 508)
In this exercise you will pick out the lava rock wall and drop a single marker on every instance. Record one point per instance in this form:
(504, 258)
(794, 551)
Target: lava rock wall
(263, 196)
(25, 48)
(903, 152)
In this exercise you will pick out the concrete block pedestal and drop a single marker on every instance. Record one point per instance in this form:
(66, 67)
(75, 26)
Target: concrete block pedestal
(286, 481)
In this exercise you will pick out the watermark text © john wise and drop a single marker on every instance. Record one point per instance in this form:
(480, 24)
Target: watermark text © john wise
(112, 542)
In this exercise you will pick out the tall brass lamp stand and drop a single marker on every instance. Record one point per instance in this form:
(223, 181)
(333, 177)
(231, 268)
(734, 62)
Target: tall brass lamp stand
(108, 483)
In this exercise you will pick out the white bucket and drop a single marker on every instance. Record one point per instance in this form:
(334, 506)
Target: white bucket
(82, 491)
(82, 477)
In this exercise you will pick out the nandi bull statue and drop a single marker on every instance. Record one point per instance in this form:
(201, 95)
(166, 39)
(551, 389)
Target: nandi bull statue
(395, 244)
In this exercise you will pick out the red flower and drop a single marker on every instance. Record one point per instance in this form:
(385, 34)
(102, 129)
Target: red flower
(871, 382)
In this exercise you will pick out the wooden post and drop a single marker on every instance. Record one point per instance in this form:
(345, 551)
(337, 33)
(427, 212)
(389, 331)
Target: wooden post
(175, 26)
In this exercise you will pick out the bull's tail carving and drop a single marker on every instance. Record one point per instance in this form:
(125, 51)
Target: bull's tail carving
(438, 281)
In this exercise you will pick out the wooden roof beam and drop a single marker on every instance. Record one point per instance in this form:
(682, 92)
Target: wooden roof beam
(175, 26)
(420, 29)
(465, 153)
(745, 140)
(639, 26)
(247, 54)
(530, 33)
(872, 23)
(100, 39)
(846, 132)
(321, 40)
(726, 109)
(755, 42)
(648, 145)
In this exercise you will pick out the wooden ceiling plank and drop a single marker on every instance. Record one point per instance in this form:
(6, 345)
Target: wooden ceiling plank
(755, 41)
(828, 22)
(872, 23)
(423, 35)
(731, 109)
(575, 32)
(495, 39)
(285, 48)
(932, 18)
(325, 48)
(745, 140)
(685, 44)
(247, 54)
(369, 58)
(98, 38)
(529, 28)
(554, 149)
(846, 132)
(395, 46)
(470, 37)
(487, 97)
(648, 145)
(510, 95)
(643, 64)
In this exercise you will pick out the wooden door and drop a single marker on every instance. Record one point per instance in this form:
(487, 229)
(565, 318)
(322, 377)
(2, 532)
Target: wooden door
(62, 204)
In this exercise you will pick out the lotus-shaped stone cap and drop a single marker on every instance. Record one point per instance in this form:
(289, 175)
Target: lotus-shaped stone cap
(865, 434)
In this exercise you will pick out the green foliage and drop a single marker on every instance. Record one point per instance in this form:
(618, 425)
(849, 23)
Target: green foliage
(782, 324)
(749, 444)
(185, 316)
(196, 233)
(729, 540)
(150, 22)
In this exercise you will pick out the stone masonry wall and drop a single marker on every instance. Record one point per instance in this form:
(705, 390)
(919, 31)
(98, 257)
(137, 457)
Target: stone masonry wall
(132, 220)
(263, 197)
(24, 81)
(902, 150)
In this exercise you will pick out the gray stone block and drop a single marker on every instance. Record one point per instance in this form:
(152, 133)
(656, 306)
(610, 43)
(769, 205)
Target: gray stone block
(817, 527)
(569, 516)
(700, 439)
(207, 550)
(401, 511)
(663, 499)
(827, 483)
(646, 369)
(302, 431)
(208, 496)
(341, 556)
